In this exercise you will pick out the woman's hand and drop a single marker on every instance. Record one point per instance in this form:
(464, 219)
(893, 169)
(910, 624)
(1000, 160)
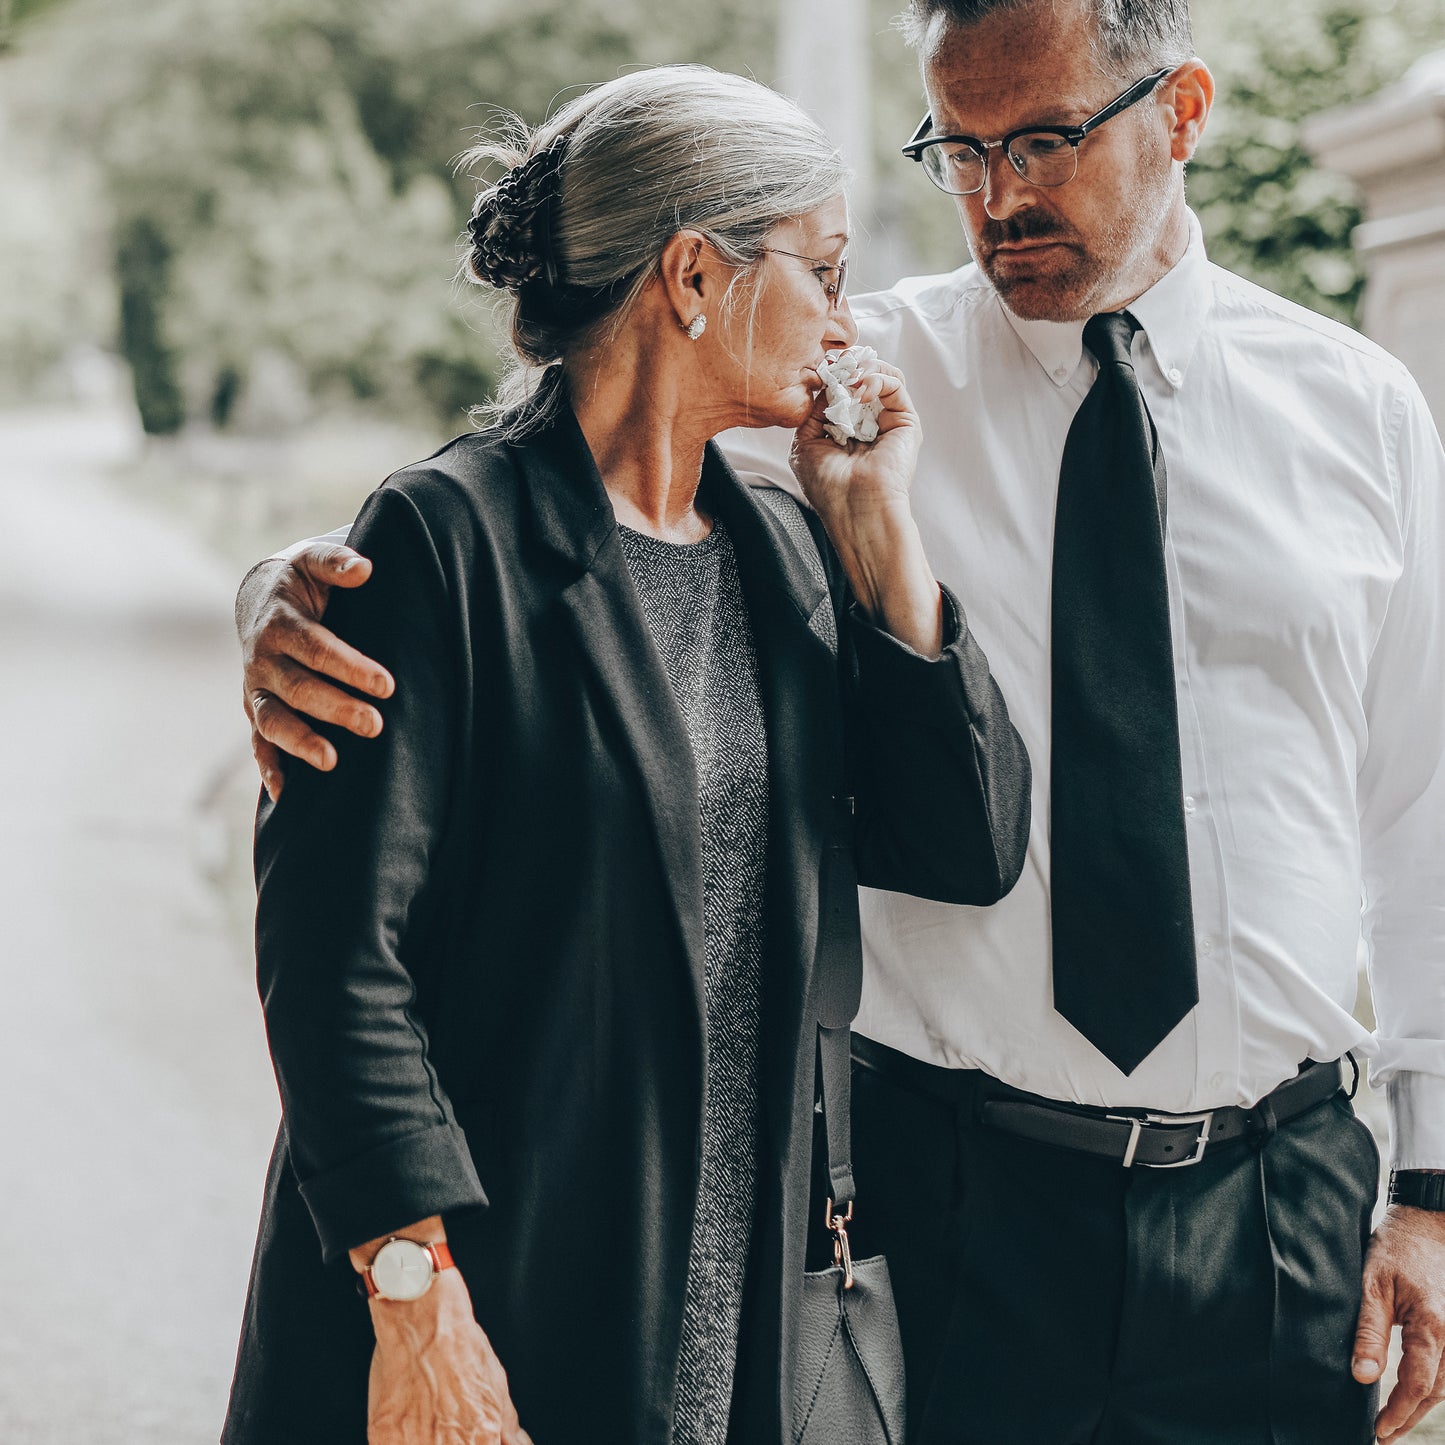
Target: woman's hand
(860, 491)
(435, 1379)
(847, 485)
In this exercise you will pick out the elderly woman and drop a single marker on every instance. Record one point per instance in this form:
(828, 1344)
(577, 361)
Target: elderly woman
(541, 961)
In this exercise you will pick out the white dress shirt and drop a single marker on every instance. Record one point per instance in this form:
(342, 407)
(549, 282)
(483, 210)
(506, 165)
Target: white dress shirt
(1304, 560)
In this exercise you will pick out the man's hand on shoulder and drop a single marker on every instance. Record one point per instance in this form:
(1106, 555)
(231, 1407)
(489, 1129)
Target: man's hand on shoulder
(288, 657)
(1405, 1286)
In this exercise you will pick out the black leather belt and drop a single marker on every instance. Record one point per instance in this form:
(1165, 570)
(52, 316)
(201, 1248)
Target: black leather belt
(1130, 1137)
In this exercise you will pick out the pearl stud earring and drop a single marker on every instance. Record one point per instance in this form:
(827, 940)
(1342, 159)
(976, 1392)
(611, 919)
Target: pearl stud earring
(696, 327)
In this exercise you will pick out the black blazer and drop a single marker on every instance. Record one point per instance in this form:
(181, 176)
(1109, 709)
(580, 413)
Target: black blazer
(480, 949)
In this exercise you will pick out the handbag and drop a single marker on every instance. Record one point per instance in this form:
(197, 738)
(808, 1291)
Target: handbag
(848, 1381)
(848, 1374)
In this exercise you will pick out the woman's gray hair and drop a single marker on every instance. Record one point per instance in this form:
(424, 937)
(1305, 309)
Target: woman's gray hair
(573, 231)
(1130, 37)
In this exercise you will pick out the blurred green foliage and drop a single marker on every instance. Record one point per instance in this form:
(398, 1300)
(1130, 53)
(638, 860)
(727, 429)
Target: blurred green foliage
(14, 11)
(275, 180)
(258, 201)
(1267, 212)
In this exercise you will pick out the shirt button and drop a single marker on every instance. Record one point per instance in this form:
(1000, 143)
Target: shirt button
(1188, 805)
(1206, 943)
(1176, 377)
(1061, 372)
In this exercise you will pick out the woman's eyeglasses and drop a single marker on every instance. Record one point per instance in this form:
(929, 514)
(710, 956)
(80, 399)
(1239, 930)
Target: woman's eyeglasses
(832, 276)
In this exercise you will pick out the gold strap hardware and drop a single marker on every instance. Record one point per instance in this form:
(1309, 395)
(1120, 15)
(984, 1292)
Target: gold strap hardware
(842, 1251)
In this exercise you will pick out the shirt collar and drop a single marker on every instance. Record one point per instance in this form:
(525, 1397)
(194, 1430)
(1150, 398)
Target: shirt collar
(1171, 314)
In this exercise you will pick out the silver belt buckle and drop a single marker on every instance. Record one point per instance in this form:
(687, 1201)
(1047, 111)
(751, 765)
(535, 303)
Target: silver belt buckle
(1137, 1124)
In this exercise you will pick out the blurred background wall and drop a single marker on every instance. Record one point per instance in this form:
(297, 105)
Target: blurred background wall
(228, 235)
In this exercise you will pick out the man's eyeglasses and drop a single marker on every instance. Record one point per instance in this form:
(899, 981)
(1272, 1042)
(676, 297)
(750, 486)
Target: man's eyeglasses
(1044, 155)
(833, 278)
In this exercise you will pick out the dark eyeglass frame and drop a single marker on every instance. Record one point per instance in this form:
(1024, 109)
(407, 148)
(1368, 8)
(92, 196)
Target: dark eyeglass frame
(921, 141)
(834, 291)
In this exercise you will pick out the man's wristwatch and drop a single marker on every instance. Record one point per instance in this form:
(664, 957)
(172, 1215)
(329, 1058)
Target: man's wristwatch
(403, 1269)
(1419, 1188)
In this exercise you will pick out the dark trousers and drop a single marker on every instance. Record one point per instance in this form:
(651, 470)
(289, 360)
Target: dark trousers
(1051, 1298)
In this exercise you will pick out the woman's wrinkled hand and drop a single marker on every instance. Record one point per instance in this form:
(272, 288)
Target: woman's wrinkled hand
(849, 485)
(860, 492)
(435, 1379)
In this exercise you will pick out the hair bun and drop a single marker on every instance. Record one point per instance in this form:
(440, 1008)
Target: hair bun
(511, 243)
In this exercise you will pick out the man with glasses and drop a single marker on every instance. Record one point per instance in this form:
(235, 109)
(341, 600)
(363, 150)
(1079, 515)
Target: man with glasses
(1202, 532)
(1100, 1129)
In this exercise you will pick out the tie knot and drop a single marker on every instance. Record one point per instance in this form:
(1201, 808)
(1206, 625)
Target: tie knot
(1109, 337)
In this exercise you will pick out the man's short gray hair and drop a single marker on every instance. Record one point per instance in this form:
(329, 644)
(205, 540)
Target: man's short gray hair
(1130, 37)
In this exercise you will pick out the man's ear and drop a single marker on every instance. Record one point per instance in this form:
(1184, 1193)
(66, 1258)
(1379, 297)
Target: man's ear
(1188, 96)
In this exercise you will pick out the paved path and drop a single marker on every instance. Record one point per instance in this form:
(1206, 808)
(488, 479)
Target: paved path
(139, 1099)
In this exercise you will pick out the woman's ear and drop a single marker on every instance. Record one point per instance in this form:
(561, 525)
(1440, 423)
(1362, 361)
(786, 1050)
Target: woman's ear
(689, 272)
(1189, 96)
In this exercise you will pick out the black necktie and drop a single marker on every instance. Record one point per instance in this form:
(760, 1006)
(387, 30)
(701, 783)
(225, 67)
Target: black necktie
(1123, 930)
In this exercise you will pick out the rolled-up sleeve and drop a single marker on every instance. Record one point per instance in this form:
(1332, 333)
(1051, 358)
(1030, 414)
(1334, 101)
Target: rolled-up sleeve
(345, 877)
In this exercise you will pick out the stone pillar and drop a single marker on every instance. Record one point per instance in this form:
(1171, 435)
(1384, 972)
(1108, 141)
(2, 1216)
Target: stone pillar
(1393, 145)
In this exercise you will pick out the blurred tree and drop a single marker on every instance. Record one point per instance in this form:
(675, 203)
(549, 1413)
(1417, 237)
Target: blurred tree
(292, 161)
(143, 264)
(289, 166)
(1267, 211)
(14, 11)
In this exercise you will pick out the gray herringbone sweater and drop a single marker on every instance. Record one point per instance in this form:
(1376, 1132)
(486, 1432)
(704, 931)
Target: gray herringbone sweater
(693, 602)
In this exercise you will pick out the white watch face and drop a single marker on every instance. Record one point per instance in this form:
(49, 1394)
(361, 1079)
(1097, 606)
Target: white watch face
(402, 1270)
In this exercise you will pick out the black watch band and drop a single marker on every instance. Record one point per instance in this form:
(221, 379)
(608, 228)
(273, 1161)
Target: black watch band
(1418, 1188)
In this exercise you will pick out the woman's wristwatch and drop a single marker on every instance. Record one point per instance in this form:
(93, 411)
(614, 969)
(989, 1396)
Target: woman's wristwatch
(1419, 1188)
(403, 1269)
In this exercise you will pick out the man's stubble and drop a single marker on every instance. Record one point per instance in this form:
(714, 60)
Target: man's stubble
(1123, 258)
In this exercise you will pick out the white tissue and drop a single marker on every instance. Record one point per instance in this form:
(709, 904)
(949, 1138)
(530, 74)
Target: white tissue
(846, 418)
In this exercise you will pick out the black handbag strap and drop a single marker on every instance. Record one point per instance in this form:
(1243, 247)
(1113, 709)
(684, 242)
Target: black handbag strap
(840, 961)
(835, 1068)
